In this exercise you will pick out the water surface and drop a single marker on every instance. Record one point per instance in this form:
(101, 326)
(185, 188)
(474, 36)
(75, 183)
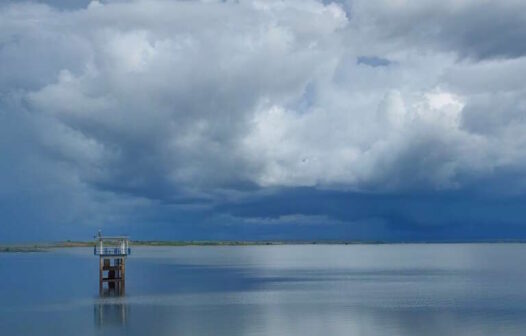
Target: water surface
(438, 289)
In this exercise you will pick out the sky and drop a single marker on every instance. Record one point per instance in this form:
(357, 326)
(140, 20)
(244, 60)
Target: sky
(377, 120)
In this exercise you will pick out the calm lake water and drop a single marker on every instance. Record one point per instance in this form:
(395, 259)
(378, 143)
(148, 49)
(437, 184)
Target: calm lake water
(472, 289)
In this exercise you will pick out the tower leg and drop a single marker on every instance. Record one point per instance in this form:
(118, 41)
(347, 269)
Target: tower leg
(123, 275)
(101, 264)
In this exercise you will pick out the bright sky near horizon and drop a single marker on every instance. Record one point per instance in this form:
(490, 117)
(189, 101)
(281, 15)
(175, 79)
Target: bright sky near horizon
(359, 119)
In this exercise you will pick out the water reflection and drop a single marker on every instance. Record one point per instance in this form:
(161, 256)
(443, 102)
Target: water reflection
(110, 309)
(110, 314)
(408, 290)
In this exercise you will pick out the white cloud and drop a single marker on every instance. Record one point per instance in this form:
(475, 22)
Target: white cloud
(161, 99)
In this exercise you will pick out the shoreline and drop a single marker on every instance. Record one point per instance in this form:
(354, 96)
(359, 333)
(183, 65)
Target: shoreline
(45, 247)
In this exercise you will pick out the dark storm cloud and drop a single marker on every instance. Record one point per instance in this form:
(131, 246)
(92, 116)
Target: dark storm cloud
(373, 61)
(451, 215)
(477, 29)
(261, 119)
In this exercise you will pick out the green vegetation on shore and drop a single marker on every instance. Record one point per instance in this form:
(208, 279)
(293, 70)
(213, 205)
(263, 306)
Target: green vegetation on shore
(202, 243)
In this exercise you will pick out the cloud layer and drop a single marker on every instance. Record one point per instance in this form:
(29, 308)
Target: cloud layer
(126, 114)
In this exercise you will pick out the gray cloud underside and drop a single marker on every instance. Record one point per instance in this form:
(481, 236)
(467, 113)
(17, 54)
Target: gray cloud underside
(111, 112)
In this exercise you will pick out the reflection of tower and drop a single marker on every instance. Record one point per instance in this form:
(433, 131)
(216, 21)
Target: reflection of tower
(112, 264)
(107, 314)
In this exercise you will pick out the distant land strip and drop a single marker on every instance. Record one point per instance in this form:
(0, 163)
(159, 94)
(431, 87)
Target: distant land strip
(44, 247)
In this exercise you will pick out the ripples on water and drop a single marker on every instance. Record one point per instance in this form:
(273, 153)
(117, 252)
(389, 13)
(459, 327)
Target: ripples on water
(473, 289)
